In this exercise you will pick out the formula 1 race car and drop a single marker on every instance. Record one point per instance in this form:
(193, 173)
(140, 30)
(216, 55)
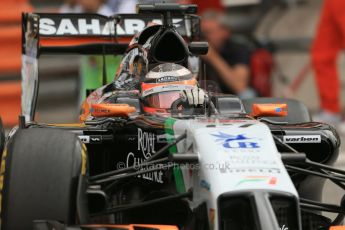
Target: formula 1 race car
(143, 157)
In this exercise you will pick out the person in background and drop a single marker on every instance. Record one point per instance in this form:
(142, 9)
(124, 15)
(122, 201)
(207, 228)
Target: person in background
(227, 63)
(102, 7)
(91, 68)
(122, 6)
(205, 5)
(329, 41)
(95, 6)
(70, 6)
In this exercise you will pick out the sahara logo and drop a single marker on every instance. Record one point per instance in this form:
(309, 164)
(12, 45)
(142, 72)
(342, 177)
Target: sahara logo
(235, 141)
(95, 26)
(271, 180)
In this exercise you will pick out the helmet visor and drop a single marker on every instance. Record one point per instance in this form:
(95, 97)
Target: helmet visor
(162, 100)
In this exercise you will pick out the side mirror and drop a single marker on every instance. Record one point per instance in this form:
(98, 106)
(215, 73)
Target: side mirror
(198, 48)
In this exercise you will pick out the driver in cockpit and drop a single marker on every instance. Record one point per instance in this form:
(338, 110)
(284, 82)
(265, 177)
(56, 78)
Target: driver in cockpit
(166, 84)
(159, 87)
(157, 84)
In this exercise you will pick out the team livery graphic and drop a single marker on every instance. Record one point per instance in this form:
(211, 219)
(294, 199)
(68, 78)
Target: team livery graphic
(238, 141)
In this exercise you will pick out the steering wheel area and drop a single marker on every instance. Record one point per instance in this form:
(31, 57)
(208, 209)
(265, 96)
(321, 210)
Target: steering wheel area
(181, 105)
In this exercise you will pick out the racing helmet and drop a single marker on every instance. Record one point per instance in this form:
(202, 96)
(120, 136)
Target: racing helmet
(163, 85)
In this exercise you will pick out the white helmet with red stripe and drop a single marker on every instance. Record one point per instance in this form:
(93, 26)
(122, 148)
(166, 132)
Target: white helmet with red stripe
(163, 85)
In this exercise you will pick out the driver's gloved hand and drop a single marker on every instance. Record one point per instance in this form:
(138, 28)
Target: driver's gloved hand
(195, 96)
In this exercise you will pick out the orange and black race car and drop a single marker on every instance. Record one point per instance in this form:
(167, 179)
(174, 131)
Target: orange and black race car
(153, 150)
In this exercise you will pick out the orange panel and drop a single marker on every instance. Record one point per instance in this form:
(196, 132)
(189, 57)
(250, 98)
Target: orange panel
(11, 32)
(10, 65)
(10, 51)
(269, 110)
(10, 102)
(11, 12)
(111, 110)
(10, 56)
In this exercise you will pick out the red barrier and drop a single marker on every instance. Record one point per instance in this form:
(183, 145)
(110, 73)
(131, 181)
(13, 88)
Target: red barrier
(10, 56)
(10, 102)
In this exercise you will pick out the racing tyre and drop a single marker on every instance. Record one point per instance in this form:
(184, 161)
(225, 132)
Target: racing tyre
(2, 137)
(40, 169)
(297, 111)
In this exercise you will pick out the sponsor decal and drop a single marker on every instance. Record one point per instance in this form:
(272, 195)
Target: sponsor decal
(271, 180)
(172, 87)
(220, 120)
(280, 109)
(164, 88)
(93, 139)
(85, 139)
(155, 176)
(245, 150)
(167, 79)
(146, 143)
(236, 141)
(268, 170)
(146, 146)
(148, 92)
(99, 110)
(163, 138)
(250, 160)
(52, 25)
(302, 139)
(204, 184)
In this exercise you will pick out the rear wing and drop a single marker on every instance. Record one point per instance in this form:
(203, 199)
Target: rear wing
(85, 34)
